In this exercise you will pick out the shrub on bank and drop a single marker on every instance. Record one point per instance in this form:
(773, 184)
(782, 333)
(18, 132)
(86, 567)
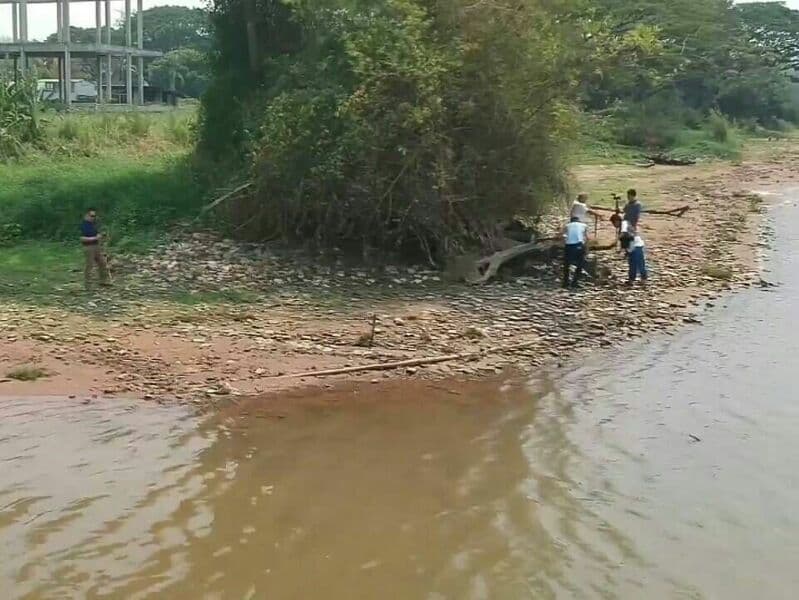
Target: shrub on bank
(402, 125)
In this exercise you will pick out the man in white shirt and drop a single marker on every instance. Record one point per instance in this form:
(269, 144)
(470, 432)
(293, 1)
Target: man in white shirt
(636, 256)
(580, 209)
(575, 236)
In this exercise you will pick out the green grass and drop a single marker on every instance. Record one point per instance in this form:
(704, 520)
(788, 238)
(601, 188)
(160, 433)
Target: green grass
(715, 271)
(44, 273)
(46, 199)
(713, 138)
(702, 143)
(34, 269)
(26, 373)
(129, 133)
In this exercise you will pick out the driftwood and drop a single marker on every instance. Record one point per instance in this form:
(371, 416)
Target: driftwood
(415, 362)
(672, 212)
(487, 267)
(665, 159)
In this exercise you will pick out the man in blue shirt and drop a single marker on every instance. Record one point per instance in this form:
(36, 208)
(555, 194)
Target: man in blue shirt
(90, 239)
(632, 210)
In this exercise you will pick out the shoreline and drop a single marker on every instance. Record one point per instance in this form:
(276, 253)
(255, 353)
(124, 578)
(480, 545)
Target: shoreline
(306, 319)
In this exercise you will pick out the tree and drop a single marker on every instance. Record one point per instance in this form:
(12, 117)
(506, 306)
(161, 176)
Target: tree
(183, 34)
(666, 64)
(168, 28)
(773, 27)
(185, 70)
(395, 124)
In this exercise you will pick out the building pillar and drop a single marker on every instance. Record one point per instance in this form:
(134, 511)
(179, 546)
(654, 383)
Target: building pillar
(98, 99)
(67, 55)
(98, 24)
(109, 72)
(60, 61)
(128, 55)
(108, 22)
(98, 21)
(59, 20)
(140, 40)
(15, 22)
(23, 21)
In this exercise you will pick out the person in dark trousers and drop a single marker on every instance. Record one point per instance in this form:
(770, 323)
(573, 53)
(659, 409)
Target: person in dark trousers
(575, 236)
(636, 257)
(90, 238)
(632, 210)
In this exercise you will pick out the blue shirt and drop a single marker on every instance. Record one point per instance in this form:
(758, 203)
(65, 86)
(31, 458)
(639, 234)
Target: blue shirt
(632, 213)
(88, 230)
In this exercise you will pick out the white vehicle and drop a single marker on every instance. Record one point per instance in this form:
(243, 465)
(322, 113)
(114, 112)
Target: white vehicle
(82, 90)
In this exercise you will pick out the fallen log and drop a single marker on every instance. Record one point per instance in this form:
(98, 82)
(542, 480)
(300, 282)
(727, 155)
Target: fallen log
(665, 159)
(487, 267)
(415, 362)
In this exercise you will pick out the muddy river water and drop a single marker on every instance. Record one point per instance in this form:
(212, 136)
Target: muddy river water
(667, 469)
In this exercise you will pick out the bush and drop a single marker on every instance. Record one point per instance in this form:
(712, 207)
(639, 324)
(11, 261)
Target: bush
(18, 123)
(654, 123)
(718, 126)
(403, 126)
(68, 130)
(179, 131)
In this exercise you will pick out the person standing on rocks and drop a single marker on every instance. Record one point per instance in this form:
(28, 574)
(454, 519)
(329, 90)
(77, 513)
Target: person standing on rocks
(636, 257)
(575, 236)
(632, 210)
(90, 238)
(580, 209)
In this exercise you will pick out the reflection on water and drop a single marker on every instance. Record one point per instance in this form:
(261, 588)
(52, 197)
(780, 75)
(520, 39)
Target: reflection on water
(665, 470)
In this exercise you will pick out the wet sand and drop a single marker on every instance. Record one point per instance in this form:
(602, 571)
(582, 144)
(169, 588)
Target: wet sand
(663, 469)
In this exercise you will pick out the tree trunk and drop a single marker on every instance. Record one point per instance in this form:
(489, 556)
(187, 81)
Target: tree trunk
(250, 14)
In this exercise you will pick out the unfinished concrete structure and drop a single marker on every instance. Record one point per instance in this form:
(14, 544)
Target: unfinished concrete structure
(21, 49)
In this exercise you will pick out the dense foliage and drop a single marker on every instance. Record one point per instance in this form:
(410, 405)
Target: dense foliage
(411, 123)
(774, 28)
(18, 123)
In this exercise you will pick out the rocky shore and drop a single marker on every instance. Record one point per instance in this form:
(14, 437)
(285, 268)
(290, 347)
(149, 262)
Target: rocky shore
(249, 316)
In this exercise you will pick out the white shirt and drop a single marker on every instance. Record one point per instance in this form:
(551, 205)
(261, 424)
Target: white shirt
(638, 242)
(579, 210)
(575, 233)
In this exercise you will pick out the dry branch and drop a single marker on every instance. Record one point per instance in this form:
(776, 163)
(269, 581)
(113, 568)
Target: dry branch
(665, 159)
(225, 197)
(672, 212)
(415, 362)
(487, 267)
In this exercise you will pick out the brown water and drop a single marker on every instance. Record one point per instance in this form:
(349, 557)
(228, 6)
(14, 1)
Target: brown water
(669, 469)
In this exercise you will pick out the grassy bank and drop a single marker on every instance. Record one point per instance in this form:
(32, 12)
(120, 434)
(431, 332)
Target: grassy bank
(134, 169)
(605, 140)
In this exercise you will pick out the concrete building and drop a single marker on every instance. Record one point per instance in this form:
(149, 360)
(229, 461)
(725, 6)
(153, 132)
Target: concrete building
(21, 49)
(51, 90)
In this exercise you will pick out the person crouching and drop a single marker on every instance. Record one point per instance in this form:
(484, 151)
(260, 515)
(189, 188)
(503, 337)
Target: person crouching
(575, 236)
